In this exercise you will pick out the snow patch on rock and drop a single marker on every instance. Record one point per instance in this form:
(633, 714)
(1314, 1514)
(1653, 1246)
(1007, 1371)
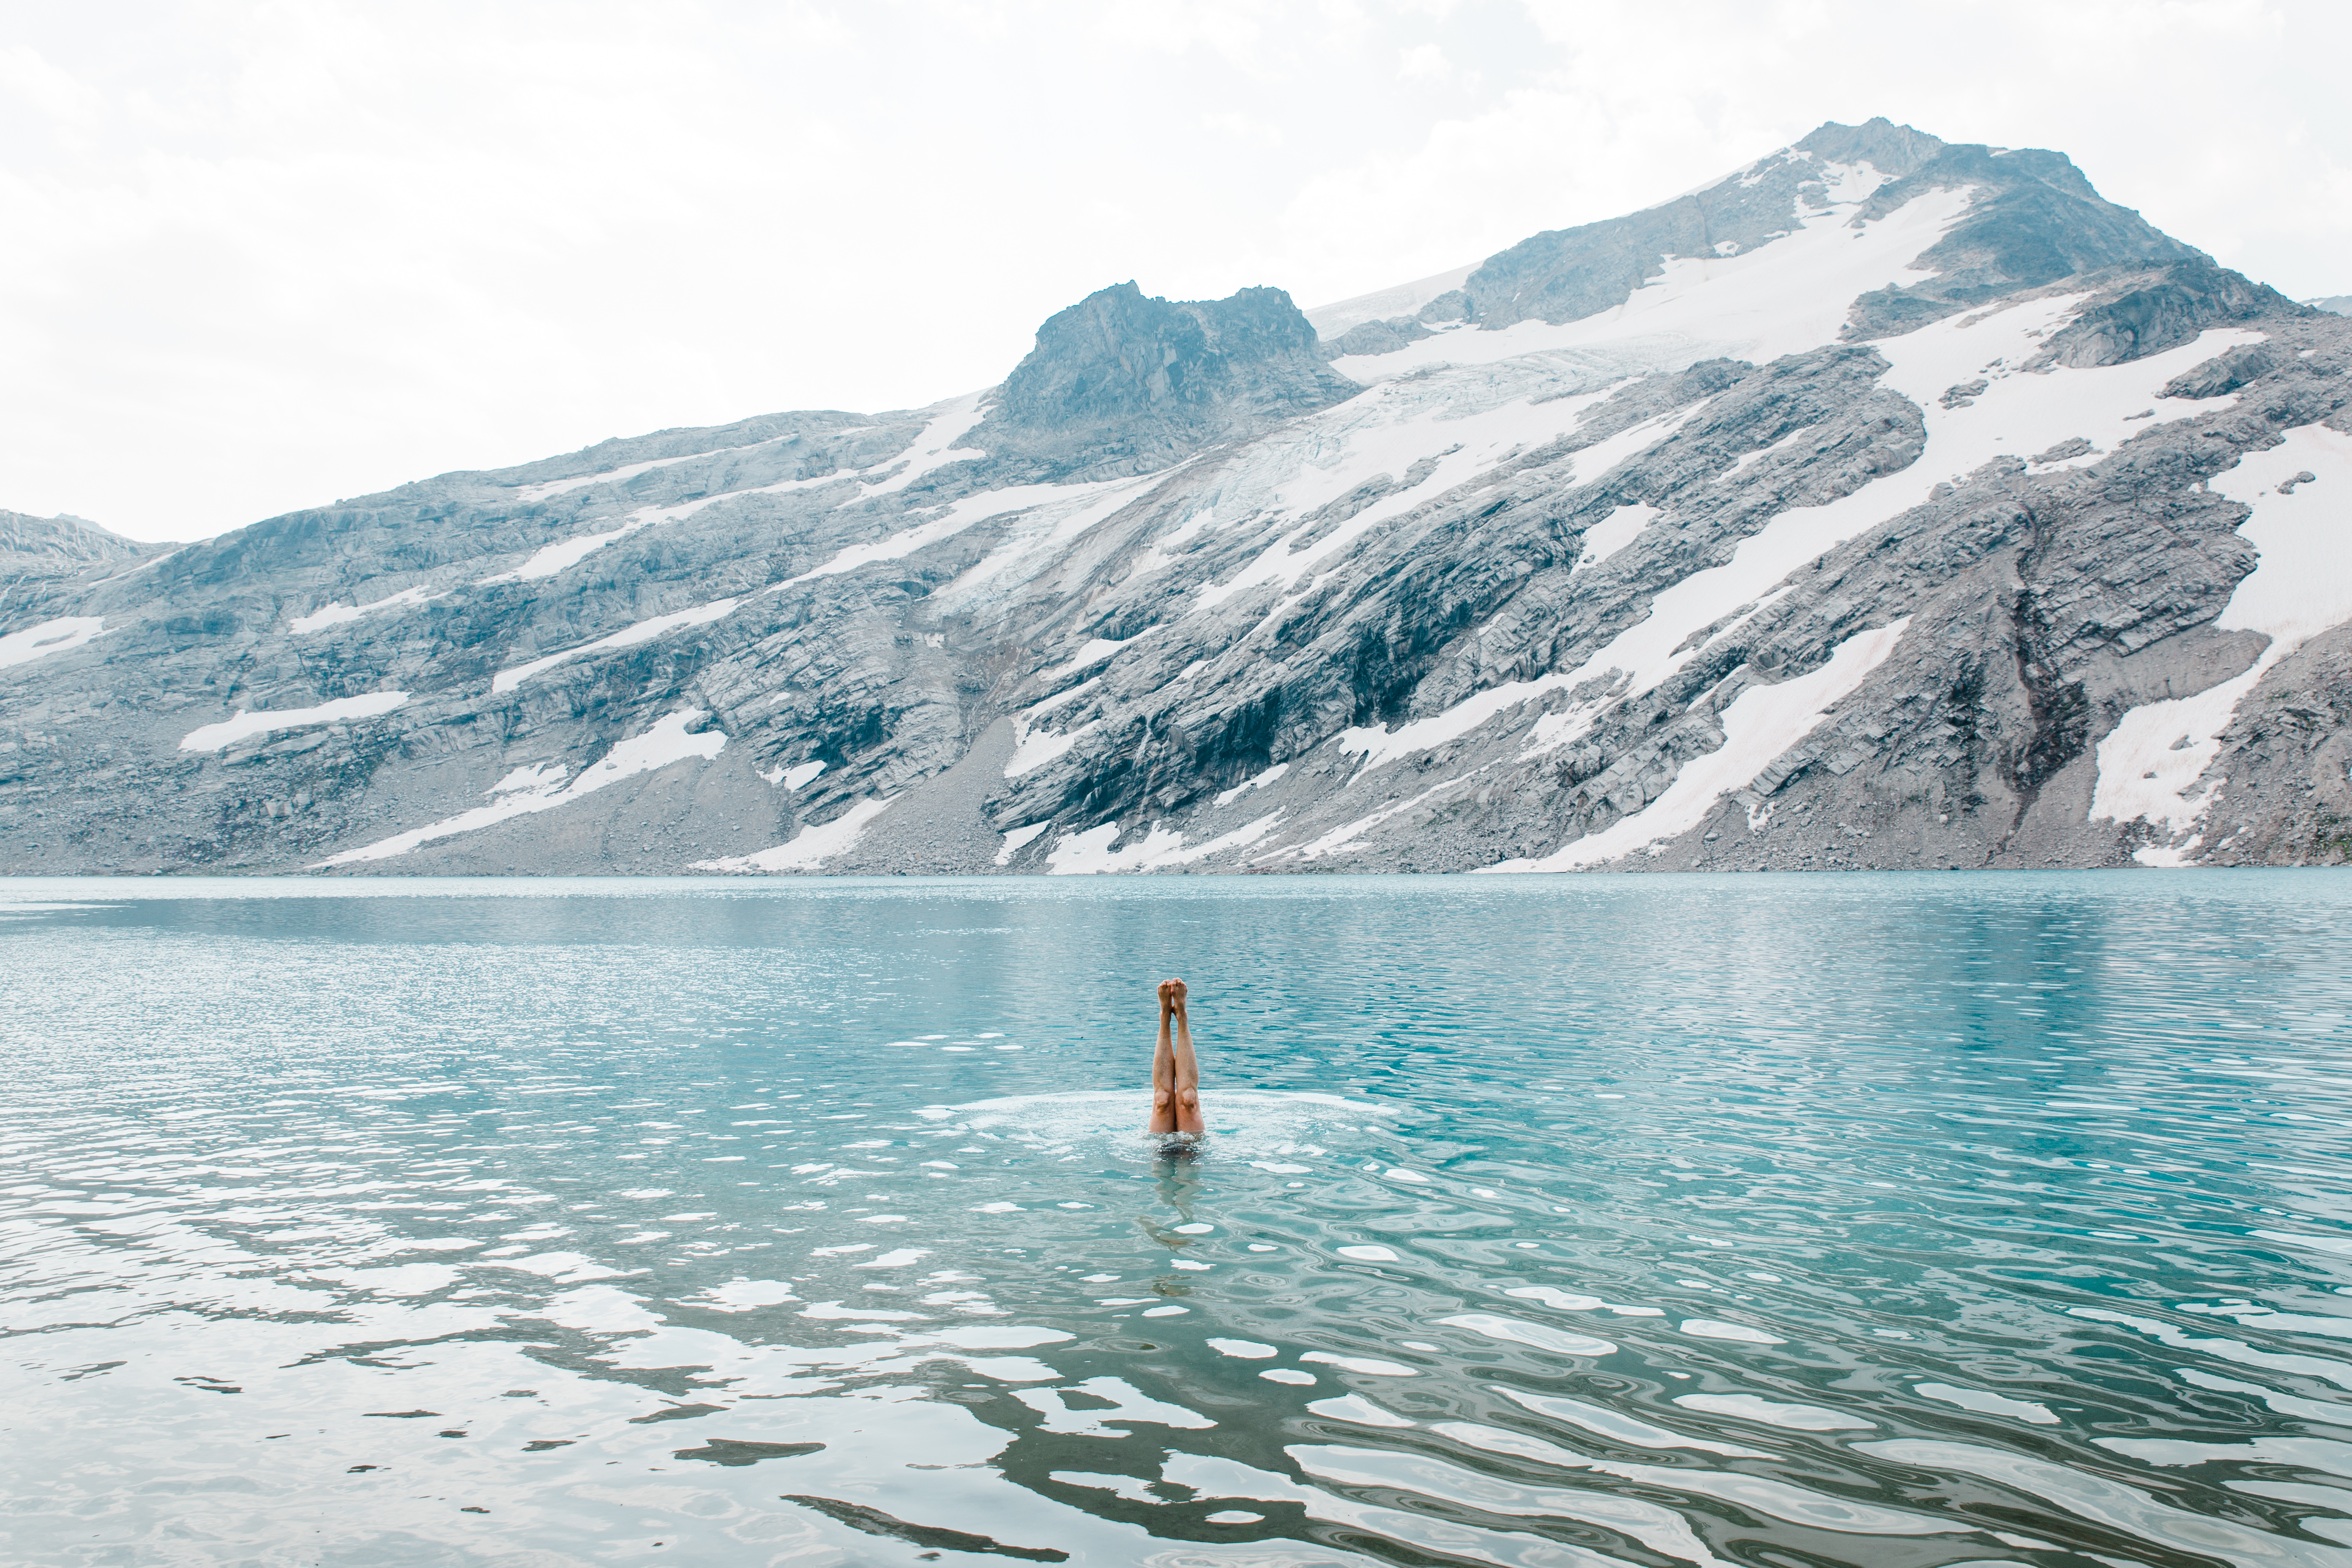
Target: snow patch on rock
(1032, 749)
(1760, 725)
(664, 742)
(243, 725)
(643, 631)
(334, 613)
(1090, 853)
(1018, 840)
(810, 848)
(1259, 781)
(1779, 299)
(1614, 533)
(2158, 752)
(50, 637)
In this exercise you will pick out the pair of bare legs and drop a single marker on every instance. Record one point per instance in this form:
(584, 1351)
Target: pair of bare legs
(1175, 1074)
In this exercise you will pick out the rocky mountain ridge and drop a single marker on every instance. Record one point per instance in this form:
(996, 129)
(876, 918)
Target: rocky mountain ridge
(45, 549)
(1887, 504)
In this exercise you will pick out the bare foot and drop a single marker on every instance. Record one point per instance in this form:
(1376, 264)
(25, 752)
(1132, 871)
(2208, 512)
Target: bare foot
(1172, 995)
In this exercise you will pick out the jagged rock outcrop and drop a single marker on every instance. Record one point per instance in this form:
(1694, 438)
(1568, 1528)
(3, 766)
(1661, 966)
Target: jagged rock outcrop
(1888, 503)
(2033, 220)
(1123, 383)
(55, 547)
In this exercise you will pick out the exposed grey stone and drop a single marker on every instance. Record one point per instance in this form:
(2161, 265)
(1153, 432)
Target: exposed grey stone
(62, 546)
(2286, 759)
(2159, 311)
(1567, 274)
(2034, 220)
(1122, 384)
(1376, 337)
(1454, 305)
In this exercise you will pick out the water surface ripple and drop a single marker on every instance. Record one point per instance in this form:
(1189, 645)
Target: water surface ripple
(1883, 1220)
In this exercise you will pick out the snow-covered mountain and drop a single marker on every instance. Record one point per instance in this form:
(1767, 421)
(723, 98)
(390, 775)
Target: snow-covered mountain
(1887, 503)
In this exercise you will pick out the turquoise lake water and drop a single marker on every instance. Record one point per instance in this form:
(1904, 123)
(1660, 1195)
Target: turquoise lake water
(1883, 1220)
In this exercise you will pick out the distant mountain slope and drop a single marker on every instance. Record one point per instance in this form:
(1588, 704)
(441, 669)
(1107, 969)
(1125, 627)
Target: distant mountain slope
(2337, 304)
(1332, 322)
(62, 547)
(45, 562)
(1889, 502)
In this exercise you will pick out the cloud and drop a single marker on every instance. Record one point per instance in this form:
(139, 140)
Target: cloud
(1427, 63)
(264, 257)
(32, 81)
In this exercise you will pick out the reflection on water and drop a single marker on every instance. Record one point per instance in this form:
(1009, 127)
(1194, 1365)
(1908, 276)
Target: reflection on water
(1870, 1220)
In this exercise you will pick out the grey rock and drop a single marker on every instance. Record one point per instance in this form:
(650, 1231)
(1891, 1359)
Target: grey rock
(1568, 274)
(63, 547)
(2034, 219)
(46, 562)
(2160, 310)
(1122, 384)
(2287, 757)
(1454, 305)
(1378, 337)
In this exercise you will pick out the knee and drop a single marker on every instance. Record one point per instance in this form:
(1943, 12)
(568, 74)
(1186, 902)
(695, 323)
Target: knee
(1159, 1096)
(1192, 1099)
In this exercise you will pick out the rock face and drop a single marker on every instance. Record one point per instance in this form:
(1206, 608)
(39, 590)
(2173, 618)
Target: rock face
(61, 547)
(1121, 384)
(1888, 503)
(1568, 274)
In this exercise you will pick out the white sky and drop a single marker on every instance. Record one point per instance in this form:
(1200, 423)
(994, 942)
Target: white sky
(262, 255)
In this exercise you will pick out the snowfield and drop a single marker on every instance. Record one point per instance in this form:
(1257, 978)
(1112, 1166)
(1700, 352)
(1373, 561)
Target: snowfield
(809, 848)
(2152, 766)
(666, 742)
(334, 613)
(243, 725)
(49, 637)
(1779, 299)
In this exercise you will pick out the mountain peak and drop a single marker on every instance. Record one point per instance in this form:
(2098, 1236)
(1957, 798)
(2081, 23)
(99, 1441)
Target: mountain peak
(2030, 218)
(1123, 381)
(1893, 150)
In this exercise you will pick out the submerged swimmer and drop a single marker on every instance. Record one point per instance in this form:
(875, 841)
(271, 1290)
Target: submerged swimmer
(1175, 1074)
